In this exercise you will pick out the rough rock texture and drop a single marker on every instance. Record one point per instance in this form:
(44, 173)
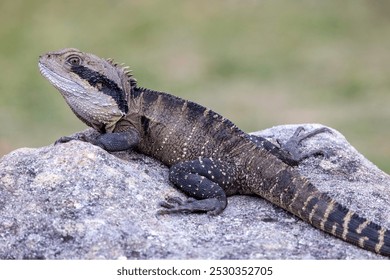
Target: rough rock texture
(76, 201)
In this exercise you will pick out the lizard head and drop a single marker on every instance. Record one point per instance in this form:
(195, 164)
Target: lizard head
(97, 90)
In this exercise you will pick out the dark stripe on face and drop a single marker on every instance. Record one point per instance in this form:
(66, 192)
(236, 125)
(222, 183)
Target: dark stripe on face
(103, 84)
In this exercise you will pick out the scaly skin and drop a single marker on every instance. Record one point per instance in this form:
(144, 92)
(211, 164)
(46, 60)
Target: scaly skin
(209, 157)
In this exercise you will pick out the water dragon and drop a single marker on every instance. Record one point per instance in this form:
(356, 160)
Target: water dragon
(209, 158)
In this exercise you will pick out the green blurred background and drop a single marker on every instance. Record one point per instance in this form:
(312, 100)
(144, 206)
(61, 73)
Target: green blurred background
(260, 63)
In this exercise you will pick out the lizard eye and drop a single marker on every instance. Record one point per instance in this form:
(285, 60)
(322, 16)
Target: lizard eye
(74, 60)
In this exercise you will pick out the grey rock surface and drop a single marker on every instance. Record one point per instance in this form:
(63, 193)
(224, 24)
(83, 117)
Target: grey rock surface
(76, 201)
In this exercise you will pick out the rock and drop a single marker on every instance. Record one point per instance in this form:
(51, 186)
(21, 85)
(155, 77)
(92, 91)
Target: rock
(76, 201)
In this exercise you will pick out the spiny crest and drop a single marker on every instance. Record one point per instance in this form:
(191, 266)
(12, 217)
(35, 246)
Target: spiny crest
(125, 69)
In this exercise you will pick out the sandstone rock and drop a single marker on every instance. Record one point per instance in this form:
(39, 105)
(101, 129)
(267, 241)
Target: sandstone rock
(76, 201)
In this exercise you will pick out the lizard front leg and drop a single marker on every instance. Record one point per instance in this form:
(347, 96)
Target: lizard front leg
(112, 142)
(204, 180)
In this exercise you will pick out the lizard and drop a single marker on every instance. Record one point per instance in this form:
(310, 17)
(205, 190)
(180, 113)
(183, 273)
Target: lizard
(209, 158)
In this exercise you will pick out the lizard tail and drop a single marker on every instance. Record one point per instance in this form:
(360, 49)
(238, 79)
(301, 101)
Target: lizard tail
(330, 216)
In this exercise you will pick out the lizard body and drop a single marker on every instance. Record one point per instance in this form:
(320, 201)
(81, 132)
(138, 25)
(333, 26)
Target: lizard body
(209, 157)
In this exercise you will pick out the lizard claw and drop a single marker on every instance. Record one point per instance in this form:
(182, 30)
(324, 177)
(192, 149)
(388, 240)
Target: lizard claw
(177, 205)
(66, 139)
(170, 201)
(173, 205)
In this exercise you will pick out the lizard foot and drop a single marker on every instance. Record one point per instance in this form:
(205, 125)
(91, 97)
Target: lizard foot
(212, 206)
(292, 145)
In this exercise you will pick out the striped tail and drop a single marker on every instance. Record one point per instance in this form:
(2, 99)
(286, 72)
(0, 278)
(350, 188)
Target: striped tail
(328, 215)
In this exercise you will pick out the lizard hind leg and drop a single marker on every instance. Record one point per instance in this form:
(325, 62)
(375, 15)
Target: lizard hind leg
(292, 145)
(289, 151)
(203, 180)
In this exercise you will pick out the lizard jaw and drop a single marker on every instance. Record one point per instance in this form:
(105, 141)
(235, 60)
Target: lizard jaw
(61, 83)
